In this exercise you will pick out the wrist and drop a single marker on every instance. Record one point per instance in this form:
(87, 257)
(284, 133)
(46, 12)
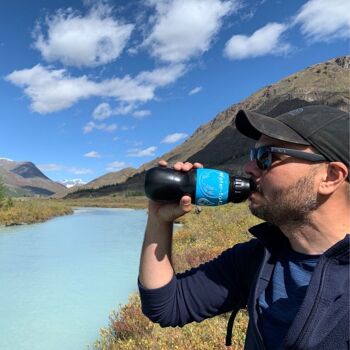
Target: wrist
(156, 220)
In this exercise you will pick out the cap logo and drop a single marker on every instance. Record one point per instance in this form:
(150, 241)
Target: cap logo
(296, 111)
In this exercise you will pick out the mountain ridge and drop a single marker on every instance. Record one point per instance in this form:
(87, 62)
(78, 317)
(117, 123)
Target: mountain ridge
(218, 144)
(215, 143)
(25, 179)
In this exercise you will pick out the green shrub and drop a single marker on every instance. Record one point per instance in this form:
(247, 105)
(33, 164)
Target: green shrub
(2, 193)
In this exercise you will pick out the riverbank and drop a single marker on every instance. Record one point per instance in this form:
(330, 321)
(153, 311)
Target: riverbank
(201, 238)
(114, 201)
(29, 210)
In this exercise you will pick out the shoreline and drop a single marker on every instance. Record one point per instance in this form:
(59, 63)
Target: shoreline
(32, 211)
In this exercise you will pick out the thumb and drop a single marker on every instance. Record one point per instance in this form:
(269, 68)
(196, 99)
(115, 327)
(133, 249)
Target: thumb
(172, 211)
(185, 204)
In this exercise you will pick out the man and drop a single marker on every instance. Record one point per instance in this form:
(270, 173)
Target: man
(294, 276)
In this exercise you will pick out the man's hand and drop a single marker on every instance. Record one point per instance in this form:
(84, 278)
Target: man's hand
(168, 212)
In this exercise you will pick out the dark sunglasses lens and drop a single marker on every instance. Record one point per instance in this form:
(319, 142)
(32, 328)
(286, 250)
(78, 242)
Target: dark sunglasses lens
(263, 159)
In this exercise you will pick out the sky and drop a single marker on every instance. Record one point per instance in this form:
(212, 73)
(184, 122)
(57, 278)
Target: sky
(89, 87)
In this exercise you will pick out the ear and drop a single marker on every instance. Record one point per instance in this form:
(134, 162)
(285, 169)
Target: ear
(335, 176)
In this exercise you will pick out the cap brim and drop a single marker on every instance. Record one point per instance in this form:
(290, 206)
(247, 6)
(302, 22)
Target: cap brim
(253, 125)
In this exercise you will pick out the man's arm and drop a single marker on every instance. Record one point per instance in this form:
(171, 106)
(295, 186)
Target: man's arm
(156, 268)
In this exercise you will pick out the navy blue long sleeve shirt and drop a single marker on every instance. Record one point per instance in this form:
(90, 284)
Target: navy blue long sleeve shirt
(321, 322)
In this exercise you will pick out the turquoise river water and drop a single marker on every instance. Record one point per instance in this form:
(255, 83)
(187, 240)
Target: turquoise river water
(60, 280)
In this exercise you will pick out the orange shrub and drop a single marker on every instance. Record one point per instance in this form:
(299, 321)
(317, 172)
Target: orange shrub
(201, 238)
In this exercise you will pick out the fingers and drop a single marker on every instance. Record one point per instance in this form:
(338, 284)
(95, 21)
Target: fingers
(187, 166)
(181, 166)
(198, 165)
(163, 163)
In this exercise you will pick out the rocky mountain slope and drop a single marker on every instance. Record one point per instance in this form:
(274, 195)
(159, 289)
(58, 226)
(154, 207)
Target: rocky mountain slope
(218, 144)
(25, 179)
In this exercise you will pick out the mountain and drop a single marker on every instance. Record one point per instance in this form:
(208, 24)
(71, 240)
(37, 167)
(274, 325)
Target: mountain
(25, 179)
(72, 183)
(110, 179)
(114, 177)
(218, 144)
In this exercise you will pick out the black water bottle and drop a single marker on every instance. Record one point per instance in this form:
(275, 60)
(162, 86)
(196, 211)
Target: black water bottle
(204, 186)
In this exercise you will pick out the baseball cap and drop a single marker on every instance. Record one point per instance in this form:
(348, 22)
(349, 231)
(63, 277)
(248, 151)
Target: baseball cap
(323, 127)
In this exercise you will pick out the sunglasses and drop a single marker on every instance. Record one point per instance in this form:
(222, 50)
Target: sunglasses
(263, 155)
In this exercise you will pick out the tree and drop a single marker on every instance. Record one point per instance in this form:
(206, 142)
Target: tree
(2, 192)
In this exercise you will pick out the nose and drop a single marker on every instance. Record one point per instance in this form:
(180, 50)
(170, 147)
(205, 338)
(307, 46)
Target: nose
(252, 169)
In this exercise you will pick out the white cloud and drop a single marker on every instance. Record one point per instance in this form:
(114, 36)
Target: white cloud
(123, 109)
(323, 20)
(127, 128)
(50, 167)
(265, 41)
(137, 152)
(102, 111)
(60, 167)
(195, 90)
(162, 76)
(172, 138)
(92, 154)
(90, 126)
(79, 171)
(186, 28)
(53, 90)
(77, 40)
(141, 113)
(115, 166)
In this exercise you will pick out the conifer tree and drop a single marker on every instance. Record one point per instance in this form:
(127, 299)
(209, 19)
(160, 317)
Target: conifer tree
(2, 192)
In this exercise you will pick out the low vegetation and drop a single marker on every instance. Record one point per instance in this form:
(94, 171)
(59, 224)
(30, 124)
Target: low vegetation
(6, 202)
(200, 239)
(31, 211)
(113, 201)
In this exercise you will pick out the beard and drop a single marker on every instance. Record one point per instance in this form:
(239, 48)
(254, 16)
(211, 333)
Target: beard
(290, 206)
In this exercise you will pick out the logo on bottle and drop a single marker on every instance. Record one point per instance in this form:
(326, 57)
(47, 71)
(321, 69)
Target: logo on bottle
(212, 187)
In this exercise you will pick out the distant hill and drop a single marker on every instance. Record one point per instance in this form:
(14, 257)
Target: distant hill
(218, 144)
(25, 179)
(113, 178)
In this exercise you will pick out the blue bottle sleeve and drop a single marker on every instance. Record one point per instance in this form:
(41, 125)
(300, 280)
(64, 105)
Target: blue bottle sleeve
(212, 187)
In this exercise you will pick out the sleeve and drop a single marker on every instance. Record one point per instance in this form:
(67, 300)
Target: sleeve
(210, 289)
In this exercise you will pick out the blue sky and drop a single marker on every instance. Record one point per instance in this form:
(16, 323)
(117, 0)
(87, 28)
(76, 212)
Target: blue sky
(89, 87)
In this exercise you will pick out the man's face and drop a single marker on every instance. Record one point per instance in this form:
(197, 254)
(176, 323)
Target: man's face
(287, 191)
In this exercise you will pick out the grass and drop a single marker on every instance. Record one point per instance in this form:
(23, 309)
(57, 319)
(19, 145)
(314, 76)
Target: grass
(32, 211)
(114, 201)
(201, 238)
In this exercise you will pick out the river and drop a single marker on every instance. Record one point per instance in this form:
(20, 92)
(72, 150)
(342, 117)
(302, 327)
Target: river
(59, 280)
